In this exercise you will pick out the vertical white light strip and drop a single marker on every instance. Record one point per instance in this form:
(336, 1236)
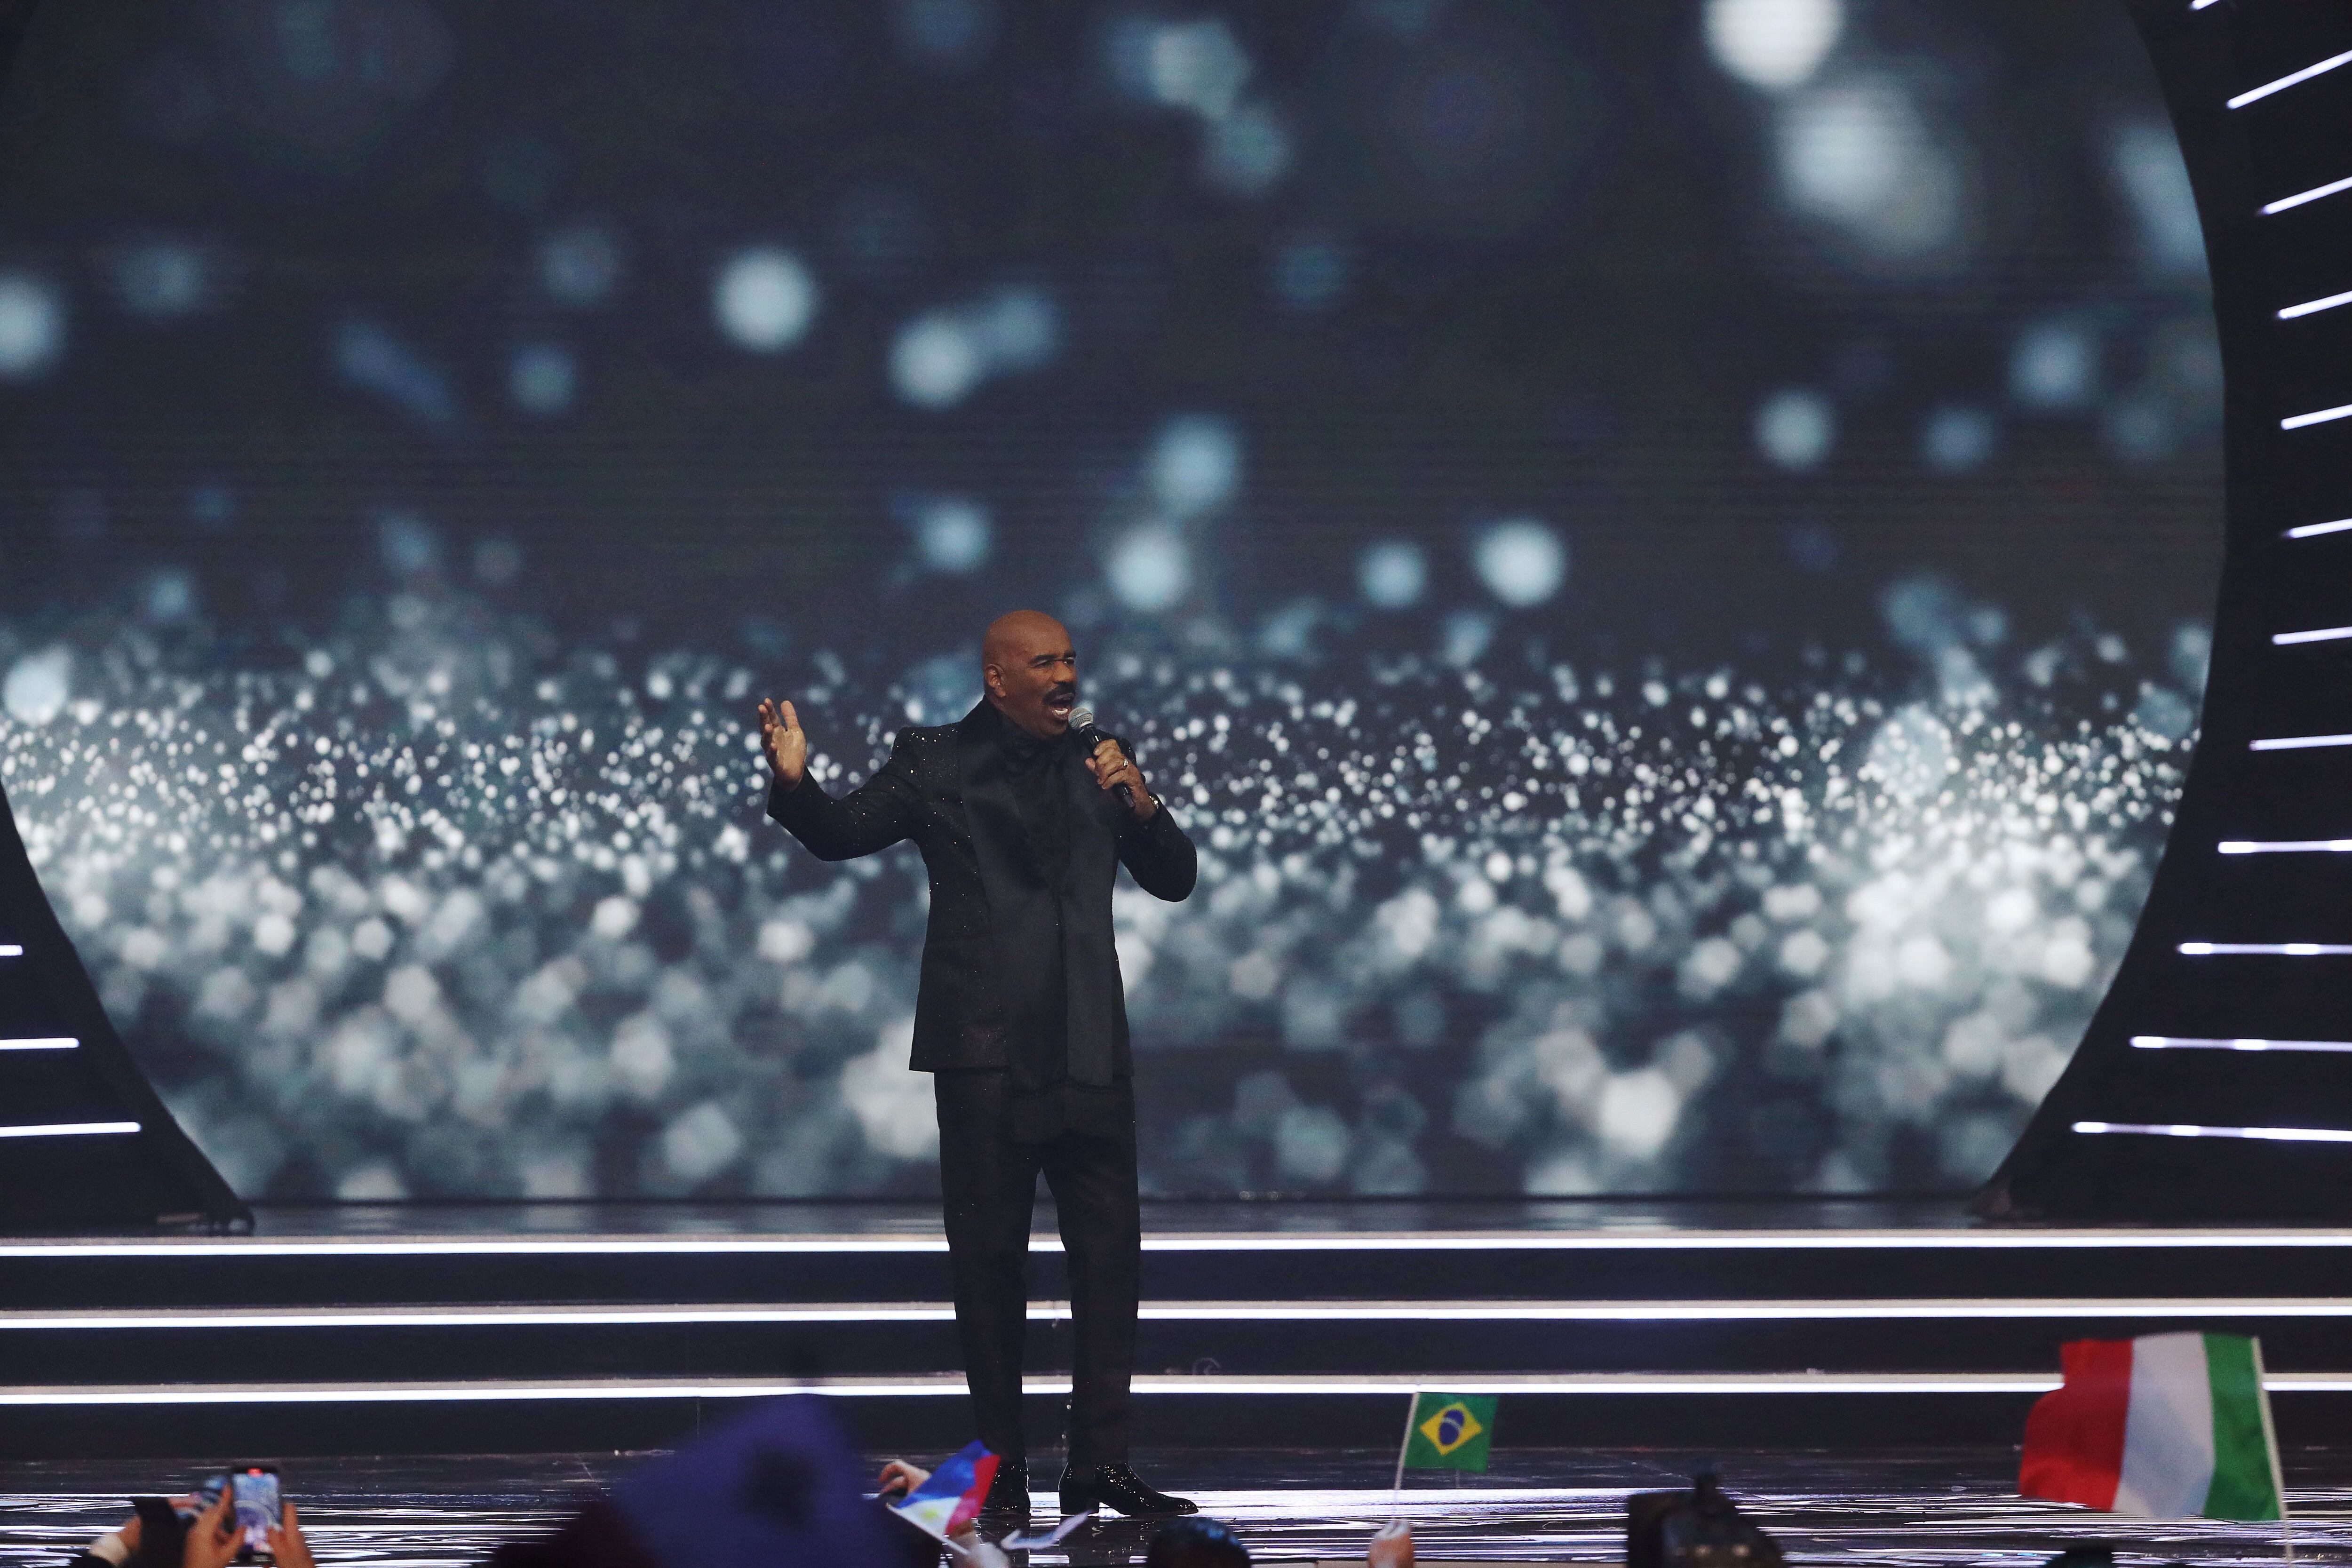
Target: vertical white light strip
(2300, 743)
(2291, 79)
(2312, 195)
(2314, 529)
(2317, 416)
(2312, 307)
(2263, 949)
(68, 1130)
(2322, 633)
(41, 1043)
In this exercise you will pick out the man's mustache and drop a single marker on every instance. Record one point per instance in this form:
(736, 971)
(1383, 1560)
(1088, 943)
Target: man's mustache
(1067, 689)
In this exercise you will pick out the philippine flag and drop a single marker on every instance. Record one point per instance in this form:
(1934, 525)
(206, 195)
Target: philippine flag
(951, 1498)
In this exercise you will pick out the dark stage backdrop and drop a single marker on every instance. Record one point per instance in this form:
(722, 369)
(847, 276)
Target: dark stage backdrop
(1663, 552)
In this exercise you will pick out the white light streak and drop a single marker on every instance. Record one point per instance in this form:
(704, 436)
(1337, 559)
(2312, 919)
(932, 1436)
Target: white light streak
(2322, 633)
(2312, 307)
(2286, 846)
(69, 1129)
(2191, 1043)
(2301, 743)
(952, 1386)
(2314, 194)
(34, 1043)
(1899, 1309)
(1242, 1241)
(2314, 529)
(2288, 80)
(2317, 416)
(10, 950)
(2260, 1134)
(502, 1317)
(2260, 949)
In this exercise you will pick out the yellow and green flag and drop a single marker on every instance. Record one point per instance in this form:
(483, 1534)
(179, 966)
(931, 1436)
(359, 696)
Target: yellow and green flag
(1449, 1432)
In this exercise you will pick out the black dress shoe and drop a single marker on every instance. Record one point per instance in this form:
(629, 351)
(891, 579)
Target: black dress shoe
(1116, 1486)
(1006, 1507)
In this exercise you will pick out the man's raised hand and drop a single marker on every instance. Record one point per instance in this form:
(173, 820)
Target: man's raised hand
(781, 738)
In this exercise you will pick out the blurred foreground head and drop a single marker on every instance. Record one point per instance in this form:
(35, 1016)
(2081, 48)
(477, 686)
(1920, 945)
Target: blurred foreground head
(779, 1486)
(1196, 1542)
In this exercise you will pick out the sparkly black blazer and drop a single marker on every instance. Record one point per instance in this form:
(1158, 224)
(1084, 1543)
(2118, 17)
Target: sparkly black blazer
(993, 906)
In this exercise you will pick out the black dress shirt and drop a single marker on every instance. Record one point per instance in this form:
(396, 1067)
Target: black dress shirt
(1046, 1057)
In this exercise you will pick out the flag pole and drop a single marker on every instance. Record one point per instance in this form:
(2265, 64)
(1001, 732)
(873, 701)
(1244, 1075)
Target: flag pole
(1396, 1487)
(2269, 1441)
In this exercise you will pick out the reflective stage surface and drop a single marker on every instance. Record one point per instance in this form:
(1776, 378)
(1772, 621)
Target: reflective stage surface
(1291, 1506)
(1286, 1212)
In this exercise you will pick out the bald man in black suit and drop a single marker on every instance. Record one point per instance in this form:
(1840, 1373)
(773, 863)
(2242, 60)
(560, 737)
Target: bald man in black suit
(1022, 1020)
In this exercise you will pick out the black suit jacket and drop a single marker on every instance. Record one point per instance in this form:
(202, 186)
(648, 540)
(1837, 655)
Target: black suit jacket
(993, 908)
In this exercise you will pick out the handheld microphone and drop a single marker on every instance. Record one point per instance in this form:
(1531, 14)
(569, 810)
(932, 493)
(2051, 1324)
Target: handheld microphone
(1090, 735)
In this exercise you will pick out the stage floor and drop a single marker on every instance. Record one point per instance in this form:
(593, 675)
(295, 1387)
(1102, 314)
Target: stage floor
(1920, 1507)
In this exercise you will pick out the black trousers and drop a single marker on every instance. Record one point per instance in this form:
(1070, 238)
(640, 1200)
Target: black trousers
(988, 1182)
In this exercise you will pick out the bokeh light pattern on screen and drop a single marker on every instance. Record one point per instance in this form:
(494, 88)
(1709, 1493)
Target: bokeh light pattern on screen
(1663, 567)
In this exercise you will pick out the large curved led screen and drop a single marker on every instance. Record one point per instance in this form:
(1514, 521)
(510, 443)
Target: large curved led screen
(1661, 551)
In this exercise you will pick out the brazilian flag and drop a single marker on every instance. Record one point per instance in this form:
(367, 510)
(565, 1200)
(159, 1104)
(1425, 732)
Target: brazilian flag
(1450, 1432)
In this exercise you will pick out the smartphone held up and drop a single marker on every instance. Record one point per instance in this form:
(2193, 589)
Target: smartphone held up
(257, 1501)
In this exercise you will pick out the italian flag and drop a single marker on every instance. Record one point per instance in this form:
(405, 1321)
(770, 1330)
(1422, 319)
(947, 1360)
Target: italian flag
(2165, 1426)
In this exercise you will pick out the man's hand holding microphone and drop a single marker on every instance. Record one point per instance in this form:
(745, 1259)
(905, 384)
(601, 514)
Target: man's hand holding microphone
(1113, 768)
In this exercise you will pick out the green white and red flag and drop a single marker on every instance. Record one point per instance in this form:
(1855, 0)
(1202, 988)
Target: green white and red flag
(2165, 1427)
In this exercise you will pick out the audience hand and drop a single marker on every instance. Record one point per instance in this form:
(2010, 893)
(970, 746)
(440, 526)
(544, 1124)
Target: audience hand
(972, 1552)
(900, 1478)
(126, 1543)
(1393, 1547)
(212, 1536)
(286, 1542)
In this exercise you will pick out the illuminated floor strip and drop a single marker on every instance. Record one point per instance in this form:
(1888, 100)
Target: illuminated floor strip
(2322, 633)
(68, 1130)
(2286, 846)
(2301, 743)
(41, 1043)
(2255, 95)
(2312, 308)
(2312, 195)
(2191, 1043)
(1923, 1239)
(2257, 1134)
(1904, 1309)
(2263, 949)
